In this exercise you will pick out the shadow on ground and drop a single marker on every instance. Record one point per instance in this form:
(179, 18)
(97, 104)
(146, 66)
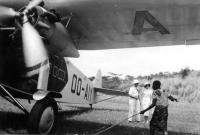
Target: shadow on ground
(12, 120)
(64, 126)
(84, 128)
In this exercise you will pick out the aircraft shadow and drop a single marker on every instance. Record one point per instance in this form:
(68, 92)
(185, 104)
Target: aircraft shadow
(86, 128)
(12, 120)
(65, 126)
(18, 121)
(70, 113)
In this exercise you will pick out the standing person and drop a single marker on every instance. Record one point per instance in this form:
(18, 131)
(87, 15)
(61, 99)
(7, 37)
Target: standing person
(160, 114)
(146, 100)
(134, 103)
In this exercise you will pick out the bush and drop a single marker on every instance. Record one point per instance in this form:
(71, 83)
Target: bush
(184, 88)
(185, 85)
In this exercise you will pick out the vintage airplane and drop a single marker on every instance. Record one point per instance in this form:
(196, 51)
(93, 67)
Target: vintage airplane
(34, 42)
(41, 73)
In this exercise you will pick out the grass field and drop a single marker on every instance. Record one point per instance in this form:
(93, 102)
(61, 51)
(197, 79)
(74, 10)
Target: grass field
(184, 119)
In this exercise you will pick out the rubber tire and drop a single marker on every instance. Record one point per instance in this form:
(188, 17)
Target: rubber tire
(37, 111)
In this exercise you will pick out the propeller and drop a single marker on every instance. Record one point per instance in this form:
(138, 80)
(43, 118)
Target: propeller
(7, 14)
(33, 47)
(32, 4)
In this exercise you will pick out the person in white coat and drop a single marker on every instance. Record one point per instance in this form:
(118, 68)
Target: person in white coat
(134, 102)
(146, 100)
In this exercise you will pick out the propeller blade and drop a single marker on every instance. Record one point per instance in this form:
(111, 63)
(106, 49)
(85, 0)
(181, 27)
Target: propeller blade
(6, 14)
(33, 3)
(33, 47)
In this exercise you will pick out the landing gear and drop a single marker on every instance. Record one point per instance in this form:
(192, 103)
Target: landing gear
(42, 116)
(9, 97)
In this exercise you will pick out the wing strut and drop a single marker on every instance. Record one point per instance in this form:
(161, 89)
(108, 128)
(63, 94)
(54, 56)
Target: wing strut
(12, 100)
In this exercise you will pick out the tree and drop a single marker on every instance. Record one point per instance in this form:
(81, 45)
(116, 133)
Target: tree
(185, 72)
(129, 78)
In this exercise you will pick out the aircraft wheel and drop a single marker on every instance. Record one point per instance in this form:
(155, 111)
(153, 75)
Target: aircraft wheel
(42, 116)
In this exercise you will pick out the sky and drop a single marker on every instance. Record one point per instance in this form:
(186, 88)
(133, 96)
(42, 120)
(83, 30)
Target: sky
(138, 61)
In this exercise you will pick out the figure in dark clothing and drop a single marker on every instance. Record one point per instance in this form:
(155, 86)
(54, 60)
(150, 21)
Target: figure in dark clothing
(160, 115)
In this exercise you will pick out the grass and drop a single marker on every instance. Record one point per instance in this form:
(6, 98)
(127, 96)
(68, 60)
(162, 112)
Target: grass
(187, 89)
(184, 119)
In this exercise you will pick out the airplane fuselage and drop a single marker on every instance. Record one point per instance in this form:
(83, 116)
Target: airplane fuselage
(78, 89)
(63, 76)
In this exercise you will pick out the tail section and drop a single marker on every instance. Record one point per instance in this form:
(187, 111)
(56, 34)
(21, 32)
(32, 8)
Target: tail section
(99, 92)
(98, 80)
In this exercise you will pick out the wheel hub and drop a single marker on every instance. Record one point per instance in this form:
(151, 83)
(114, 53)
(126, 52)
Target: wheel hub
(46, 121)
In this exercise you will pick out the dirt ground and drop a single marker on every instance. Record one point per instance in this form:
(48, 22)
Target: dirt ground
(184, 119)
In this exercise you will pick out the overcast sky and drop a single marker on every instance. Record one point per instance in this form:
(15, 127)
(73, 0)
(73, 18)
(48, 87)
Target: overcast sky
(138, 61)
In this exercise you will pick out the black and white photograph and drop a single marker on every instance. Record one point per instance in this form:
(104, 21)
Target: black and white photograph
(100, 67)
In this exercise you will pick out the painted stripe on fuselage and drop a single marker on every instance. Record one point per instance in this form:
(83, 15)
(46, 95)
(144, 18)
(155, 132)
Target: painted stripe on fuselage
(79, 89)
(36, 67)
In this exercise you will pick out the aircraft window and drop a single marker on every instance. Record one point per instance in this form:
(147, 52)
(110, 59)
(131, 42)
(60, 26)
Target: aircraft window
(55, 71)
(61, 75)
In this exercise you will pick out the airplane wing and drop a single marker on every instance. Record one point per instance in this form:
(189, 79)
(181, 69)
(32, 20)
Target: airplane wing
(110, 24)
(111, 91)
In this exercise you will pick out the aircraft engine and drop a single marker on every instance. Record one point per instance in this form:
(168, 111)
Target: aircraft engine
(32, 44)
(38, 25)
